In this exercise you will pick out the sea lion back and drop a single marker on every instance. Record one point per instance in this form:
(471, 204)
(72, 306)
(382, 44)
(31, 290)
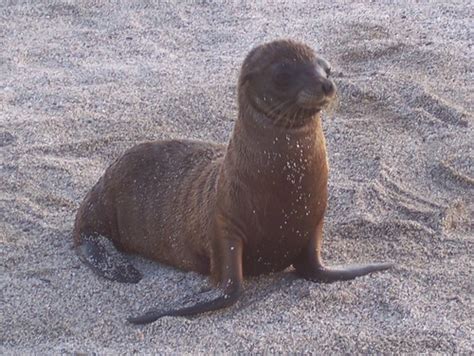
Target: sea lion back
(155, 201)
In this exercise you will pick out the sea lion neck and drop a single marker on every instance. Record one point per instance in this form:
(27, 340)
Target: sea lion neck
(258, 148)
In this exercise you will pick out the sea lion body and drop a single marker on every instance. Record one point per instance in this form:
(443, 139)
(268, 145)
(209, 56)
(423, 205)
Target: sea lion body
(254, 206)
(159, 199)
(154, 201)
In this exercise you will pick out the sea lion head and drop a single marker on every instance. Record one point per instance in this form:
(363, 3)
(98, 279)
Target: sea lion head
(287, 82)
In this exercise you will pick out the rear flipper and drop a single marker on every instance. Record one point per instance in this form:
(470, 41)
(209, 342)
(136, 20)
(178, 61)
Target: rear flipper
(340, 273)
(103, 258)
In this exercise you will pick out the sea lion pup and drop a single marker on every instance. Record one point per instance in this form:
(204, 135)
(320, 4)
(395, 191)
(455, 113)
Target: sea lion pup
(254, 207)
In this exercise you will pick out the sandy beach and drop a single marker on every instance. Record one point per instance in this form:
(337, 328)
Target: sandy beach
(82, 81)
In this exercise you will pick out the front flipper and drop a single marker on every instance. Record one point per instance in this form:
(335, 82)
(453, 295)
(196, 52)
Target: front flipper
(324, 274)
(229, 265)
(309, 265)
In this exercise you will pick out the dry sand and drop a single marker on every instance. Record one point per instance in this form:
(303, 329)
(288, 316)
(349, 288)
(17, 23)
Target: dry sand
(81, 82)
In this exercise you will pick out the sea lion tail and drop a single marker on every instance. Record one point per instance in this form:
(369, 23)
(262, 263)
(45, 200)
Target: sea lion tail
(345, 273)
(102, 257)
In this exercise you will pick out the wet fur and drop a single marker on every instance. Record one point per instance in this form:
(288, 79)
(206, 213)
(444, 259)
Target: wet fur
(254, 206)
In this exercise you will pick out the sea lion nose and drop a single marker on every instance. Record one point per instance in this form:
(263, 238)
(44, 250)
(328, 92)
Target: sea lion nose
(328, 87)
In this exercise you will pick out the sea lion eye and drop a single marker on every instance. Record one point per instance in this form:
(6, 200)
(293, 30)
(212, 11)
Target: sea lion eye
(328, 71)
(282, 75)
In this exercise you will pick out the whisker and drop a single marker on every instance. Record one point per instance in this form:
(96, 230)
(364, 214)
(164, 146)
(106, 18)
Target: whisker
(295, 116)
(282, 114)
(277, 107)
(288, 115)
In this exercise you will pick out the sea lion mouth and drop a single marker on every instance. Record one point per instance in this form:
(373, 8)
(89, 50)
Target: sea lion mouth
(287, 114)
(312, 101)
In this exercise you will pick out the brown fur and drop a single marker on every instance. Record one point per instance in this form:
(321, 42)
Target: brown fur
(255, 207)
